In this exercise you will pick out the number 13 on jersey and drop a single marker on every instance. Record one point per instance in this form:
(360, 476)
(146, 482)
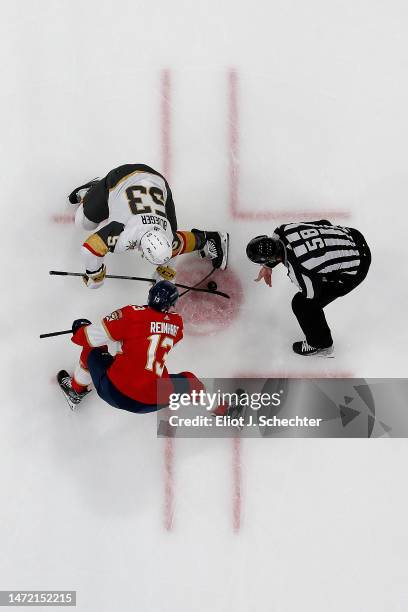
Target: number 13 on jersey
(157, 351)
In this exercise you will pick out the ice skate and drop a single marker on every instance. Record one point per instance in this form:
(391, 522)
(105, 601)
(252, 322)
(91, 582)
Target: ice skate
(215, 247)
(76, 196)
(304, 349)
(65, 382)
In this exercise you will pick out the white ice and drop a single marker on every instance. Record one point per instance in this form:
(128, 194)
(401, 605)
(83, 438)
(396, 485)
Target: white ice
(323, 126)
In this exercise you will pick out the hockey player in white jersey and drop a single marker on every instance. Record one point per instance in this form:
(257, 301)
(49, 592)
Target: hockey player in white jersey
(325, 261)
(132, 208)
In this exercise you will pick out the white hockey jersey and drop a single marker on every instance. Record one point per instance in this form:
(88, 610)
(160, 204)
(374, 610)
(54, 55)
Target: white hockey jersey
(137, 204)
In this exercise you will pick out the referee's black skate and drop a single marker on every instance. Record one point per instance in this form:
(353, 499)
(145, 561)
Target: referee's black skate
(76, 196)
(65, 382)
(304, 349)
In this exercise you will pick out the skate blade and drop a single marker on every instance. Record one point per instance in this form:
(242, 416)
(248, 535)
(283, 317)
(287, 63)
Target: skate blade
(328, 353)
(70, 403)
(224, 237)
(73, 407)
(225, 250)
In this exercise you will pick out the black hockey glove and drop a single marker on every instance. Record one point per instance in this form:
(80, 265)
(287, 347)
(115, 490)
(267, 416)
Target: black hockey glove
(78, 323)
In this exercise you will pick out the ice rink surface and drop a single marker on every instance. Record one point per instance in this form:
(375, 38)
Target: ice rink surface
(259, 113)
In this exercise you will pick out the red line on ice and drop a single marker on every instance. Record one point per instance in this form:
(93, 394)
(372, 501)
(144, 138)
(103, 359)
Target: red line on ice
(234, 162)
(236, 484)
(299, 374)
(233, 150)
(168, 483)
(165, 134)
(292, 215)
(233, 142)
(62, 218)
(165, 101)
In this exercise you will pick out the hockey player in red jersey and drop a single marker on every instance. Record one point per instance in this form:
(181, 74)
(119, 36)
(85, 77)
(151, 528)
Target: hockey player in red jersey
(144, 335)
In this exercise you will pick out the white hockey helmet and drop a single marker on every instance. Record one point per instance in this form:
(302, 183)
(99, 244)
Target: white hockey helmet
(155, 246)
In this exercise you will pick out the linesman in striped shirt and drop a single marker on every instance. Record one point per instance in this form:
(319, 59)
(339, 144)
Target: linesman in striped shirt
(325, 261)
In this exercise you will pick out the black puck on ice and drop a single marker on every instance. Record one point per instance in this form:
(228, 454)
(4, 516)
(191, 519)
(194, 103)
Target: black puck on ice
(212, 285)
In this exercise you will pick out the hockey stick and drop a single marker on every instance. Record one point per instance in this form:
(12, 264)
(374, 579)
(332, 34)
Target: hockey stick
(149, 280)
(60, 333)
(193, 288)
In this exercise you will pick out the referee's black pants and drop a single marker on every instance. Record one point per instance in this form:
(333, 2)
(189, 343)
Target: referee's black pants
(309, 312)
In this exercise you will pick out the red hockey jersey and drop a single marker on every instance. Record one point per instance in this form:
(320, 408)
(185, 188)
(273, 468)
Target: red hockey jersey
(146, 336)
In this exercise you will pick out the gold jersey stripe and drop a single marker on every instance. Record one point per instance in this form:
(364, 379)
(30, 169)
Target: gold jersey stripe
(97, 245)
(188, 242)
(127, 176)
(191, 242)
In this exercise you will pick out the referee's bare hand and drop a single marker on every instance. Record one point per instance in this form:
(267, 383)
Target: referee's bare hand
(265, 273)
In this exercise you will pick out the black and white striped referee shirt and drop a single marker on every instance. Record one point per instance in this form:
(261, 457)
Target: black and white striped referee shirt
(315, 249)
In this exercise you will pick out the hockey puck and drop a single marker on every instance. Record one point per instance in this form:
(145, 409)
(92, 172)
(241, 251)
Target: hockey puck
(208, 315)
(212, 285)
